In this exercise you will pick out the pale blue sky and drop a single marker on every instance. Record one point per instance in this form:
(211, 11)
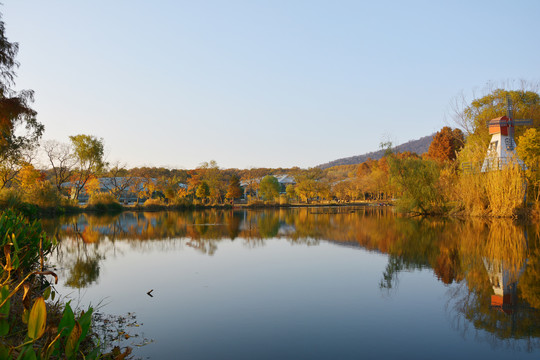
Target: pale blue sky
(261, 83)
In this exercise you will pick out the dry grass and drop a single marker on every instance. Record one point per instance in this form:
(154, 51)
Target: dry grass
(496, 193)
(505, 190)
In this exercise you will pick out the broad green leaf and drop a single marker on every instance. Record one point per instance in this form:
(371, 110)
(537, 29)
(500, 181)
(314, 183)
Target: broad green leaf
(4, 327)
(72, 343)
(47, 293)
(37, 319)
(4, 353)
(4, 294)
(27, 353)
(85, 320)
(67, 322)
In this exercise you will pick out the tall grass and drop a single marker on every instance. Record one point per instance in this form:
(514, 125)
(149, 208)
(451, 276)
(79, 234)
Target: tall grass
(496, 193)
(505, 190)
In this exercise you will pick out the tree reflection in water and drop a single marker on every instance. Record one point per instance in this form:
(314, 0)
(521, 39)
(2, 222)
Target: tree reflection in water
(494, 265)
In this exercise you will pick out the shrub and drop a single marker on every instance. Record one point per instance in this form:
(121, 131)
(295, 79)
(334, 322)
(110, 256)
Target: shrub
(26, 328)
(104, 202)
(154, 204)
(182, 202)
(27, 239)
(10, 199)
(44, 195)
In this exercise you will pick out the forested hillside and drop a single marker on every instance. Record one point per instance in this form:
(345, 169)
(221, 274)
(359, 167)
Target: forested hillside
(419, 146)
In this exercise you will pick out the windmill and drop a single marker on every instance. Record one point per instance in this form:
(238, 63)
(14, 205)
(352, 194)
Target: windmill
(502, 147)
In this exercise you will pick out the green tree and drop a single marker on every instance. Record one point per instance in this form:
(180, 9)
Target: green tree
(234, 191)
(474, 116)
(417, 181)
(211, 174)
(89, 153)
(291, 192)
(203, 191)
(269, 187)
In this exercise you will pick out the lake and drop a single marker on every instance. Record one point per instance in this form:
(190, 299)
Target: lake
(306, 283)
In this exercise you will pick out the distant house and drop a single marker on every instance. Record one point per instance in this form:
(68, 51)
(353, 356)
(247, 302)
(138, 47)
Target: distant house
(283, 180)
(128, 188)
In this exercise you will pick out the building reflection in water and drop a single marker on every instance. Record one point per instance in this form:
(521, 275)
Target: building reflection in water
(491, 268)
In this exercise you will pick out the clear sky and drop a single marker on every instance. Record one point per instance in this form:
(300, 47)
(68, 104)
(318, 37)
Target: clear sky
(261, 83)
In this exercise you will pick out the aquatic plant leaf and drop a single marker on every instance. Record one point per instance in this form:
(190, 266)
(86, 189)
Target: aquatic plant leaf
(72, 343)
(47, 293)
(37, 319)
(67, 322)
(4, 294)
(4, 327)
(52, 348)
(4, 353)
(27, 353)
(85, 321)
(15, 261)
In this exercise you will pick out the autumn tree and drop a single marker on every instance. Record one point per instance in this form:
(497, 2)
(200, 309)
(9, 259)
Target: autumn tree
(446, 144)
(203, 191)
(473, 116)
(19, 129)
(234, 191)
(252, 182)
(28, 176)
(11, 166)
(211, 174)
(291, 192)
(92, 186)
(528, 150)
(89, 153)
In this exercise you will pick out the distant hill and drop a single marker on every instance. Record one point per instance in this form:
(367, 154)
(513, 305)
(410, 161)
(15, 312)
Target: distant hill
(419, 146)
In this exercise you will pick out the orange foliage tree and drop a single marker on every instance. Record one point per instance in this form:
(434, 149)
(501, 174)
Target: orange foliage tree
(446, 144)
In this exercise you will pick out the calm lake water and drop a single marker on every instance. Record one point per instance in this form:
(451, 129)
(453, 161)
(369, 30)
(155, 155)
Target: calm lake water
(317, 283)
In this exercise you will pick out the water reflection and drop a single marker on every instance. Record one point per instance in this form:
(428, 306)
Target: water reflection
(491, 268)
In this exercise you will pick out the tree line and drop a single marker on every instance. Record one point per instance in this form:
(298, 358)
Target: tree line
(434, 182)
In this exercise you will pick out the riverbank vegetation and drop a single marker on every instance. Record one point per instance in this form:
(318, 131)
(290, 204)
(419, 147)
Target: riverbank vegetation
(445, 180)
(73, 175)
